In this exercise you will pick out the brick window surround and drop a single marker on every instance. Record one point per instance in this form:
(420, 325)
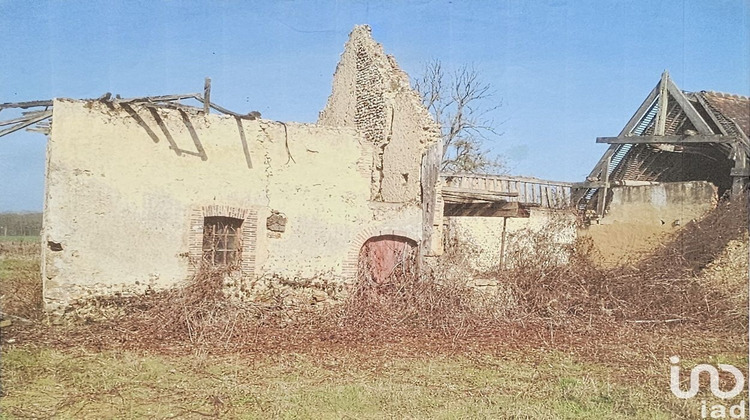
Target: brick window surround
(249, 235)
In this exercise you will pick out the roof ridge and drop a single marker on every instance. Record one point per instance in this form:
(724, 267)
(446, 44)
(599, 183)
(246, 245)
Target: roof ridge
(726, 95)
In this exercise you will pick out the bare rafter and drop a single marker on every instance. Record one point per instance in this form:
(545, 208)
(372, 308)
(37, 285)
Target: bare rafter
(161, 101)
(25, 105)
(653, 112)
(27, 116)
(671, 139)
(32, 119)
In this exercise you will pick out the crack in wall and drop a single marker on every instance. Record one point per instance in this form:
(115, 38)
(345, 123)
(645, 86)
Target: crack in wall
(267, 163)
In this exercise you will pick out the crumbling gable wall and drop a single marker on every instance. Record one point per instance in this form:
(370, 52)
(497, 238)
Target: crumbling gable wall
(372, 94)
(129, 188)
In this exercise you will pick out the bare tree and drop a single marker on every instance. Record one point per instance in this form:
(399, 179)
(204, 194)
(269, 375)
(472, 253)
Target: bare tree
(458, 103)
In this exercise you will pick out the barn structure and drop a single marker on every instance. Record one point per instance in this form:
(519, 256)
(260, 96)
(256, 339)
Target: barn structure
(669, 165)
(142, 193)
(674, 136)
(676, 156)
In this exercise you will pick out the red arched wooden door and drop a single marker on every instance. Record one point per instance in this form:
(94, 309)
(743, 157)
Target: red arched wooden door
(384, 256)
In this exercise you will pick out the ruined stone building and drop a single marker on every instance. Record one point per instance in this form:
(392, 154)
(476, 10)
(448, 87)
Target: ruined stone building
(677, 155)
(493, 219)
(672, 161)
(144, 193)
(140, 194)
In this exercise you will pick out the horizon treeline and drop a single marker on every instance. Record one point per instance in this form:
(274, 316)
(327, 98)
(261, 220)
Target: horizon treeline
(20, 224)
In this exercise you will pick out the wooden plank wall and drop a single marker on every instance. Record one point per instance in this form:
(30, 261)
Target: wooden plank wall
(531, 191)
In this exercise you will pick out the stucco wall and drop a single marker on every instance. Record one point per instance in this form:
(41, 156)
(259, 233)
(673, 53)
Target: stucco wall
(127, 191)
(638, 218)
(480, 238)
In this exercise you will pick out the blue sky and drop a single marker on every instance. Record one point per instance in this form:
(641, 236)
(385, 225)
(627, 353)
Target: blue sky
(565, 71)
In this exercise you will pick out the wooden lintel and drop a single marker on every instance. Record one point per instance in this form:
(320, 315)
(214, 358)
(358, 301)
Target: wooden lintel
(698, 138)
(463, 195)
(505, 209)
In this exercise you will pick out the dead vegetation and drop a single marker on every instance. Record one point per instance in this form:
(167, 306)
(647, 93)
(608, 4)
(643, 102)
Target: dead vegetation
(536, 294)
(666, 286)
(20, 288)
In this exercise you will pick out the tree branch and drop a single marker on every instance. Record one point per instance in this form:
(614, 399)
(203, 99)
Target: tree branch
(460, 106)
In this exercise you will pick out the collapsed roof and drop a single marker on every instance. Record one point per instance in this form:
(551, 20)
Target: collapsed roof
(677, 136)
(41, 111)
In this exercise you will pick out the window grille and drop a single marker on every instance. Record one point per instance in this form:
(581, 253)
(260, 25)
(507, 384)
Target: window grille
(221, 240)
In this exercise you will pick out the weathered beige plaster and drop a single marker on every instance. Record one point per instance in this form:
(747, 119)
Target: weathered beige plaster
(480, 238)
(120, 204)
(129, 185)
(638, 218)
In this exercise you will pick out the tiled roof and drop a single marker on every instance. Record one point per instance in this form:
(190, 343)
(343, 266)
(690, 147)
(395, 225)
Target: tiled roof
(734, 108)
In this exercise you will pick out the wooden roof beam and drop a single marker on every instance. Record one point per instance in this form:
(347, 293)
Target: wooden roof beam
(642, 110)
(25, 105)
(25, 118)
(661, 116)
(698, 122)
(162, 98)
(505, 209)
(678, 139)
(710, 113)
(641, 113)
(26, 123)
(463, 195)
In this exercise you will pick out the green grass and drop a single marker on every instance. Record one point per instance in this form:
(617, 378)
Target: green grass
(16, 269)
(79, 384)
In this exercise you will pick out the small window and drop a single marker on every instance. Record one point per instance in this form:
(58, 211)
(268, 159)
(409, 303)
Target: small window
(221, 240)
